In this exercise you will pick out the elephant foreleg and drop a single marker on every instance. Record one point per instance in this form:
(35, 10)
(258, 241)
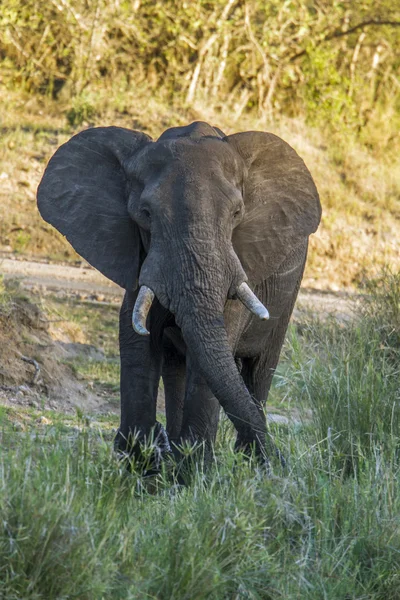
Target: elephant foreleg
(174, 379)
(140, 375)
(258, 372)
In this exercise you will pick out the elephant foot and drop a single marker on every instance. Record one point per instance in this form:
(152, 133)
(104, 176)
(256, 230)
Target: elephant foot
(141, 454)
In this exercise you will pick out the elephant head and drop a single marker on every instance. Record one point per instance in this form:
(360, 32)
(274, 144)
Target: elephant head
(190, 218)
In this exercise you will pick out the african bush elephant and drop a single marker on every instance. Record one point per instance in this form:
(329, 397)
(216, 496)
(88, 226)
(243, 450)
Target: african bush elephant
(182, 223)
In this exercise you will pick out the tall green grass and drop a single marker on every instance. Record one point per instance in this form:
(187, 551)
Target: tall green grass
(348, 374)
(74, 524)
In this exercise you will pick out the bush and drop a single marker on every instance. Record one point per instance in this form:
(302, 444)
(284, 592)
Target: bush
(82, 111)
(332, 62)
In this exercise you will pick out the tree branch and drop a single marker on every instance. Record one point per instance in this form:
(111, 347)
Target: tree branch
(338, 34)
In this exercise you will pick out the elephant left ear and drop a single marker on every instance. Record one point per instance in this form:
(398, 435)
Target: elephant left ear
(282, 206)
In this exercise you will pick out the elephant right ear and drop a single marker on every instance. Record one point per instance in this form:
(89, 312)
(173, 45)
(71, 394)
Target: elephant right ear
(84, 194)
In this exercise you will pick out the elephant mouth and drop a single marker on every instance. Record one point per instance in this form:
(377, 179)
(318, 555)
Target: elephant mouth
(146, 296)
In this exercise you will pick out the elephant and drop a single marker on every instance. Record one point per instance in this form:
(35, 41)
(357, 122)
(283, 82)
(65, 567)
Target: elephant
(207, 234)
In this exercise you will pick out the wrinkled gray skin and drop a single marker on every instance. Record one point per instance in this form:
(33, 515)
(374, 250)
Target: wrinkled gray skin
(191, 215)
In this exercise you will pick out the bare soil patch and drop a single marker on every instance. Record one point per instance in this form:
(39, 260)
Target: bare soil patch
(34, 369)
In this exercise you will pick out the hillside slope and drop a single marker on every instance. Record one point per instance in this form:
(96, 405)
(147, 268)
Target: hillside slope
(360, 193)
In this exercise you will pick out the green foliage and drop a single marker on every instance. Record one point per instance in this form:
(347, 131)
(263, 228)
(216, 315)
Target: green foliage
(326, 94)
(332, 61)
(82, 110)
(21, 241)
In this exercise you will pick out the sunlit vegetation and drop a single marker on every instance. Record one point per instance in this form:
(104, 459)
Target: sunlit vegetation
(324, 59)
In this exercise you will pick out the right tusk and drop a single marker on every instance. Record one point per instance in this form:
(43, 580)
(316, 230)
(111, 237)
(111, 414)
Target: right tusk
(251, 302)
(141, 310)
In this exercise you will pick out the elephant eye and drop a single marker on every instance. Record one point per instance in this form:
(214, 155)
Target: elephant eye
(146, 213)
(237, 213)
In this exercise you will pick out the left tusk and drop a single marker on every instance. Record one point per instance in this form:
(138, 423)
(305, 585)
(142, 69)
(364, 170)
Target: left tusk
(141, 310)
(251, 302)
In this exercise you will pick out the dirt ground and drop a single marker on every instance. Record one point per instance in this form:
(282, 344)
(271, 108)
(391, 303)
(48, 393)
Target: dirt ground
(35, 368)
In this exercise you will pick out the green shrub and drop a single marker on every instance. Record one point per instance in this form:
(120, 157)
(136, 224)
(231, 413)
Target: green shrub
(326, 95)
(336, 63)
(82, 110)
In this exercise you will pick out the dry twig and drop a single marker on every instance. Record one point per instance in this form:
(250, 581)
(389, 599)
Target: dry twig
(33, 362)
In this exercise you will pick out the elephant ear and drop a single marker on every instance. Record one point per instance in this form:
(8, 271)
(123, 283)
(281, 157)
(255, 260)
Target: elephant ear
(282, 205)
(84, 193)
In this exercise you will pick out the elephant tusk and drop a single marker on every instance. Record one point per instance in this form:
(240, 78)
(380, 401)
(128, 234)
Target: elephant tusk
(251, 302)
(141, 310)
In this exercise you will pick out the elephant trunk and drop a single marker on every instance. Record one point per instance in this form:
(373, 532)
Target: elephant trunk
(207, 342)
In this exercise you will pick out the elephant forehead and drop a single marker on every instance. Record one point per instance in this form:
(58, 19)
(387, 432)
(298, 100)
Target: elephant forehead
(204, 158)
(210, 155)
